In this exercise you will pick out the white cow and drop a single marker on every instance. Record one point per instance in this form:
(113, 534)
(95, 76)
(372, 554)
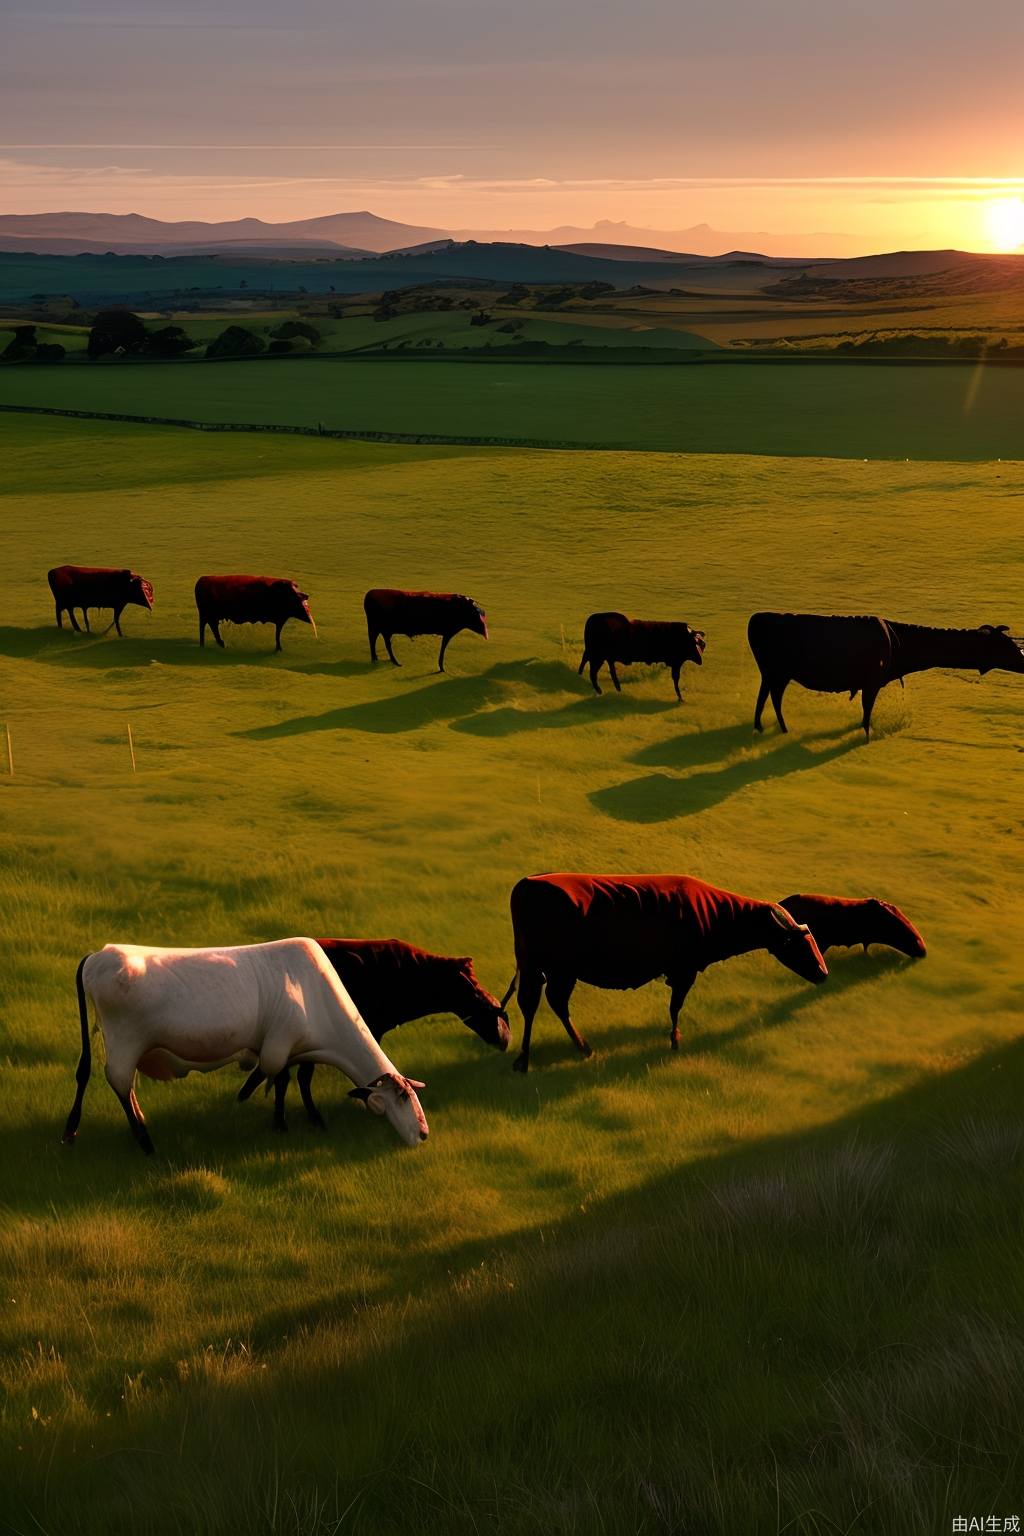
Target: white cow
(168, 1012)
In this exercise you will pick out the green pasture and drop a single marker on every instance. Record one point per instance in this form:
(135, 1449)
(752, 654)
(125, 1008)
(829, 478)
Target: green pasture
(844, 410)
(770, 1283)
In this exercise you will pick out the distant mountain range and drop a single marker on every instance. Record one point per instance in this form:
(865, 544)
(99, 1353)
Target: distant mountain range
(698, 240)
(363, 233)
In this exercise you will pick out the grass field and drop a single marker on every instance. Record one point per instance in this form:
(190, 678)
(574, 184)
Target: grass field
(772, 1283)
(843, 410)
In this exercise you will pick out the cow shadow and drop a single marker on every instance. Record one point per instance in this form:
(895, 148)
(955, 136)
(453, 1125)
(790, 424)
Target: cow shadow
(661, 797)
(105, 651)
(444, 699)
(190, 1132)
(588, 710)
(448, 699)
(847, 972)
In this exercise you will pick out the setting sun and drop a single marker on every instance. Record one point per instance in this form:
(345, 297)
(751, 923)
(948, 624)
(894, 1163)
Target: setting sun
(1004, 219)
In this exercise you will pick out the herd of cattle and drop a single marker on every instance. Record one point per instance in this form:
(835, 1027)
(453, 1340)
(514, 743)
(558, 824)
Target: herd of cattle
(302, 1002)
(827, 653)
(299, 1002)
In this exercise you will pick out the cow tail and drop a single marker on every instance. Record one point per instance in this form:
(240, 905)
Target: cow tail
(84, 1061)
(583, 662)
(513, 984)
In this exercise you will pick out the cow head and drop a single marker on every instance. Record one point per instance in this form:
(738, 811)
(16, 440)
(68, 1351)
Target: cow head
(698, 643)
(300, 608)
(140, 591)
(793, 945)
(999, 651)
(393, 1095)
(476, 619)
(477, 1009)
(889, 926)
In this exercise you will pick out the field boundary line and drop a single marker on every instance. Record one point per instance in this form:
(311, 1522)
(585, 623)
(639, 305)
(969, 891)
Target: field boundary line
(368, 435)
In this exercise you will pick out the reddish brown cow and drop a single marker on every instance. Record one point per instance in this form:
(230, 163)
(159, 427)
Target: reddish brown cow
(611, 638)
(96, 586)
(392, 612)
(249, 600)
(392, 983)
(838, 921)
(622, 931)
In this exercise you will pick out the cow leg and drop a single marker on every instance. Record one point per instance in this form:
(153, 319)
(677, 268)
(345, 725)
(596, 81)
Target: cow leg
(440, 657)
(372, 633)
(60, 616)
(530, 983)
(85, 616)
(74, 622)
(868, 697)
(277, 636)
(120, 1073)
(675, 682)
(680, 988)
(595, 667)
(583, 662)
(614, 674)
(305, 1077)
(391, 655)
(559, 990)
(777, 690)
(250, 1085)
(117, 620)
(281, 1082)
(762, 699)
(215, 631)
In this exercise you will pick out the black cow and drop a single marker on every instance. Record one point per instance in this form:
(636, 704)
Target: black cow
(96, 586)
(622, 931)
(392, 983)
(249, 600)
(611, 638)
(390, 611)
(840, 654)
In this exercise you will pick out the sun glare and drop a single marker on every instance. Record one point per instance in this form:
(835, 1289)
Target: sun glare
(1005, 220)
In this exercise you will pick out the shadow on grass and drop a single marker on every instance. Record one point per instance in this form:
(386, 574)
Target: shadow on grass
(65, 648)
(591, 710)
(444, 700)
(852, 1285)
(659, 797)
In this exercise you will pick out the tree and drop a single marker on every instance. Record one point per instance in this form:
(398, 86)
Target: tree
(292, 330)
(169, 341)
(116, 332)
(21, 345)
(279, 345)
(236, 341)
(48, 352)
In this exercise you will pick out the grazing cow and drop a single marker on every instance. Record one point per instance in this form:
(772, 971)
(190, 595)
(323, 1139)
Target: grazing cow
(392, 983)
(839, 654)
(168, 1012)
(96, 586)
(611, 638)
(391, 612)
(249, 600)
(622, 931)
(839, 921)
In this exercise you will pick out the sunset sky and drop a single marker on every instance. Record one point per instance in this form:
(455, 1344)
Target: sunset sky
(892, 123)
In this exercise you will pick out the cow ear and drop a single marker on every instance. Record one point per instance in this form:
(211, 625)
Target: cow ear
(784, 918)
(376, 1102)
(359, 1093)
